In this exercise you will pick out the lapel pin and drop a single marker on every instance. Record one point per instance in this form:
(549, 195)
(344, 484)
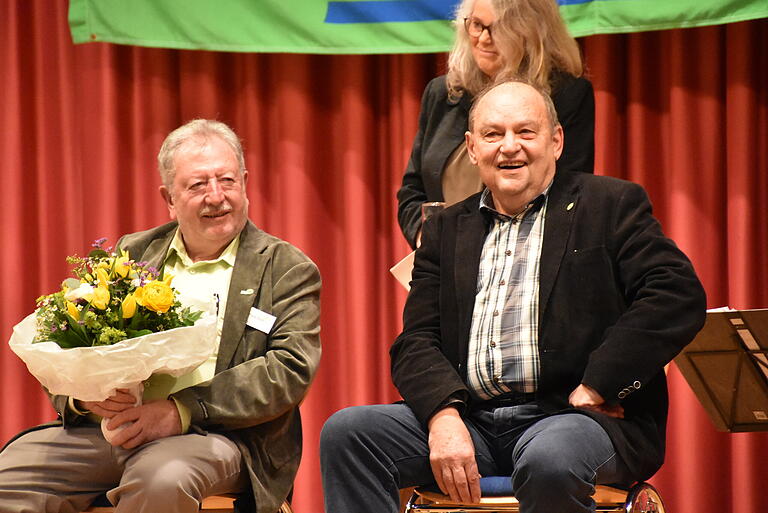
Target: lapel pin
(570, 206)
(245, 292)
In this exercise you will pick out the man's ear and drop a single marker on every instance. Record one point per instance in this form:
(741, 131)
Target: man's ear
(168, 201)
(558, 138)
(470, 142)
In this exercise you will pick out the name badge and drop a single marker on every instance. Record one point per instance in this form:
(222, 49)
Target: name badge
(261, 321)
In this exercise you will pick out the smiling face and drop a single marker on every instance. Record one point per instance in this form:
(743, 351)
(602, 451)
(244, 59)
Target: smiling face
(513, 143)
(484, 51)
(207, 196)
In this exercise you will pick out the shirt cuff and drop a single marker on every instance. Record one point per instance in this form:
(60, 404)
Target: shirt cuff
(185, 415)
(74, 409)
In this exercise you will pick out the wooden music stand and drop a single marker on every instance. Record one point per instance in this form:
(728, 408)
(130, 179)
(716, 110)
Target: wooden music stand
(726, 365)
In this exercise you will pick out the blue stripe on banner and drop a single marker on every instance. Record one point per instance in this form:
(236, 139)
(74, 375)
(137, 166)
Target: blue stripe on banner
(368, 11)
(378, 11)
(574, 2)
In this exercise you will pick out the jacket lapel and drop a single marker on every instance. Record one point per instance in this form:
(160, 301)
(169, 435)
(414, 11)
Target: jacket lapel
(244, 288)
(470, 234)
(561, 208)
(157, 250)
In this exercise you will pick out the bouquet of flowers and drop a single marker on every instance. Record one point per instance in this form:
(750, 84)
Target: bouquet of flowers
(111, 326)
(111, 299)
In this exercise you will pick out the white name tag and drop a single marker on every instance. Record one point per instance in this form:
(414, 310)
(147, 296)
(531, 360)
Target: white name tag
(261, 321)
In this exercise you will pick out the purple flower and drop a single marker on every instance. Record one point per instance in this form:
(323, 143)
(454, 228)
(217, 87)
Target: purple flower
(98, 242)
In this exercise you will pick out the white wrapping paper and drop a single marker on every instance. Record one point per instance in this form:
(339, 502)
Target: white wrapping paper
(94, 373)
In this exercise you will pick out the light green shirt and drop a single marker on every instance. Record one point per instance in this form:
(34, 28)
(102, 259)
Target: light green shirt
(207, 278)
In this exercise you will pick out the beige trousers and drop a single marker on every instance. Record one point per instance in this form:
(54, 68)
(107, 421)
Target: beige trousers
(57, 470)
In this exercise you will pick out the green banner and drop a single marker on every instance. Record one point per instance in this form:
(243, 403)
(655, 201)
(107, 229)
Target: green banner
(357, 26)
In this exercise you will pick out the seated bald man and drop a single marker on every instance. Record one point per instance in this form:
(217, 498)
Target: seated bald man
(541, 314)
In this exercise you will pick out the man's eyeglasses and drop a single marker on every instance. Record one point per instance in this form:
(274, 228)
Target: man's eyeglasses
(475, 28)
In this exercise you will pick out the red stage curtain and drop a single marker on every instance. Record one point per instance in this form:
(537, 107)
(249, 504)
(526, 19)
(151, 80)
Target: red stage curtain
(683, 112)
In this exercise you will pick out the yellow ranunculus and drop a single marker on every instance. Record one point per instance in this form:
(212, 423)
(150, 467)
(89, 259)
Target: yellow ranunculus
(100, 297)
(121, 265)
(157, 296)
(73, 311)
(138, 295)
(129, 306)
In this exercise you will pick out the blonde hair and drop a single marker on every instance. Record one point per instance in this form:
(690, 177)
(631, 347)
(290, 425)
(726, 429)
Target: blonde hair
(533, 42)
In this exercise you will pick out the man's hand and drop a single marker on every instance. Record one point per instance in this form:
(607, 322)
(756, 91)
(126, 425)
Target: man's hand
(588, 398)
(452, 456)
(150, 421)
(111, 406)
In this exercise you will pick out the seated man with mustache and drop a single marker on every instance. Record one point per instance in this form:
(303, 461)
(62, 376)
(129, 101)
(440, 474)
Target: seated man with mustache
(232, 425)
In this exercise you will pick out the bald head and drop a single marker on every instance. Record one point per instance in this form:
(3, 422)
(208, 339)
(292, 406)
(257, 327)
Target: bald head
(513, 86)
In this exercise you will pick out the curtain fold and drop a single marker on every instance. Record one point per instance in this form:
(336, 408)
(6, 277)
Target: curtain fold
(683, 112)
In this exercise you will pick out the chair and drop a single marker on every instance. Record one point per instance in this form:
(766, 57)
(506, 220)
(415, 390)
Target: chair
(497, 497)
(213, 504)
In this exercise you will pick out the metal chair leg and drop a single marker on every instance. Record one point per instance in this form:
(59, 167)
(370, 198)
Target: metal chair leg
(644, 498)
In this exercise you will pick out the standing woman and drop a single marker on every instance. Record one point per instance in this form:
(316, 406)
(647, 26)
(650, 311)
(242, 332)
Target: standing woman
(494, 38)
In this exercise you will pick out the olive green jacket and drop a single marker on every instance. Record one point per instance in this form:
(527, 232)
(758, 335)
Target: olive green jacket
(260, 378)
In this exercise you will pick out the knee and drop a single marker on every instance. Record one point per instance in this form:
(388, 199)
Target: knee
(539, 472)
(169, 482)
(342, 430)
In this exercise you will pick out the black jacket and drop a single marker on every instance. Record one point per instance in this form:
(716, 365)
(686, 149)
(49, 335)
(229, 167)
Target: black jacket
(617, 301)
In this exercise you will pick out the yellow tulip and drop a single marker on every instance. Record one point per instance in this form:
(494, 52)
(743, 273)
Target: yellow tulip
(129, 306)
(121, 265)
(102, 276)
(73, 311)
(157, 296)
(100, 297)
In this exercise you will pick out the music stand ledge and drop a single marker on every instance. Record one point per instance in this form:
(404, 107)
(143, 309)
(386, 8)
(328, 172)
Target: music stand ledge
(726, 365)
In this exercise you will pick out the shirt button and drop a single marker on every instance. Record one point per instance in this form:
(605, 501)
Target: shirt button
(508, 252)
(503, 282)
(497, 379)
(495, 313)
(492, 344)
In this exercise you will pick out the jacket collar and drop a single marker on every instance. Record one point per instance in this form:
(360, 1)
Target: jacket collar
(561, 209)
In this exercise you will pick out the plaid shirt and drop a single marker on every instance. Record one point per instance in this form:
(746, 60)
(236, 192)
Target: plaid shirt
(503, 340)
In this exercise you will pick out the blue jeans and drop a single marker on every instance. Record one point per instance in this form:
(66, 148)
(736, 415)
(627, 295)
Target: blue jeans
(367, 453)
